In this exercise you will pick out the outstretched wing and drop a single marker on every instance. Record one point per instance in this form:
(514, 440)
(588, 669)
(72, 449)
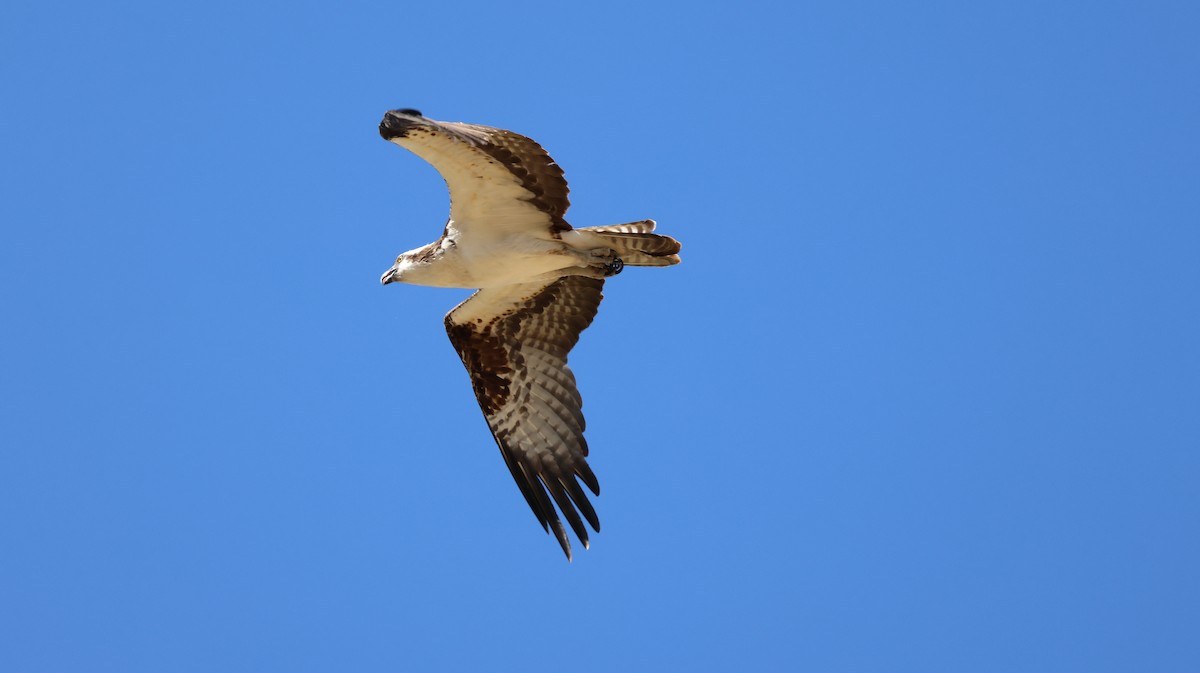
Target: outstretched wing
(514, 342)
(497, 178)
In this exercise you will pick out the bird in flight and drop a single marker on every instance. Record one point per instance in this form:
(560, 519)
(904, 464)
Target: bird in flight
(539, 284)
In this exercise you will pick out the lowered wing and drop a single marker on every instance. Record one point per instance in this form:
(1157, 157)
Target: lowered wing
(514, 342)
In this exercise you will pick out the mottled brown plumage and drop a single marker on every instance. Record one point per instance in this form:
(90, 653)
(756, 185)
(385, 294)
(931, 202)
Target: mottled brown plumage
(541, 283)
(516, 355)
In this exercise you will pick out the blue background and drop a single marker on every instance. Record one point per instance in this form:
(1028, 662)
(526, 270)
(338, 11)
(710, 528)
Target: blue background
(924, 394)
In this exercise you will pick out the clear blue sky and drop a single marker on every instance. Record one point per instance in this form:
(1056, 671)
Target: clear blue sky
(924, 394)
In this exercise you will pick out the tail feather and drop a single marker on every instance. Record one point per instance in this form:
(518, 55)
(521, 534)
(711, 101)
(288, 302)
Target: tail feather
(639, 227)
(636, 245)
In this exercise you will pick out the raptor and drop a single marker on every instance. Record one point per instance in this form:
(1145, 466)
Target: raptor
(539, 283)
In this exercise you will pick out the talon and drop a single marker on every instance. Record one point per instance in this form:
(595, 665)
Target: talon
(614, 267)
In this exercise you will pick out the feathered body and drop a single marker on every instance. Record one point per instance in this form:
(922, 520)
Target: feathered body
(540, 283)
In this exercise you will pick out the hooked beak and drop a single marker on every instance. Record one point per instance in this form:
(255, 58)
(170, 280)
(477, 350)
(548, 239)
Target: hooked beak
(388, 276)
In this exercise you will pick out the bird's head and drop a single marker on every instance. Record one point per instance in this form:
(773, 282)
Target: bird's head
(396, 273)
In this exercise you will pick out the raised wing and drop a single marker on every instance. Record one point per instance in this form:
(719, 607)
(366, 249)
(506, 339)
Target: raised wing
(514, 342)
(497, 178)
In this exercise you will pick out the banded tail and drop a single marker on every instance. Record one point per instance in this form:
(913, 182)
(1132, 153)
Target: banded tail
(635, 245)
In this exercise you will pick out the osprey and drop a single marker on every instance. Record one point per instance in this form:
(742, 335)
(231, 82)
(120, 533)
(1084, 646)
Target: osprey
(539, 282)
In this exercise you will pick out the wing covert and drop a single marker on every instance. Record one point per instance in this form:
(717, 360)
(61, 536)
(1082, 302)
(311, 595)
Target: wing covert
(514, 342)
(494, 176)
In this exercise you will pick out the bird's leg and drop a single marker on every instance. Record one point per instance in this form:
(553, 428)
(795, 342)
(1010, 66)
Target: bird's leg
(585, 271)
(599, 263)
(605, 260)
(593, 262)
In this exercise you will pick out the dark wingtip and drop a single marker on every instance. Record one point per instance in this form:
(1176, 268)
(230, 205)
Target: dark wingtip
(565, 543)
(397, 122)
